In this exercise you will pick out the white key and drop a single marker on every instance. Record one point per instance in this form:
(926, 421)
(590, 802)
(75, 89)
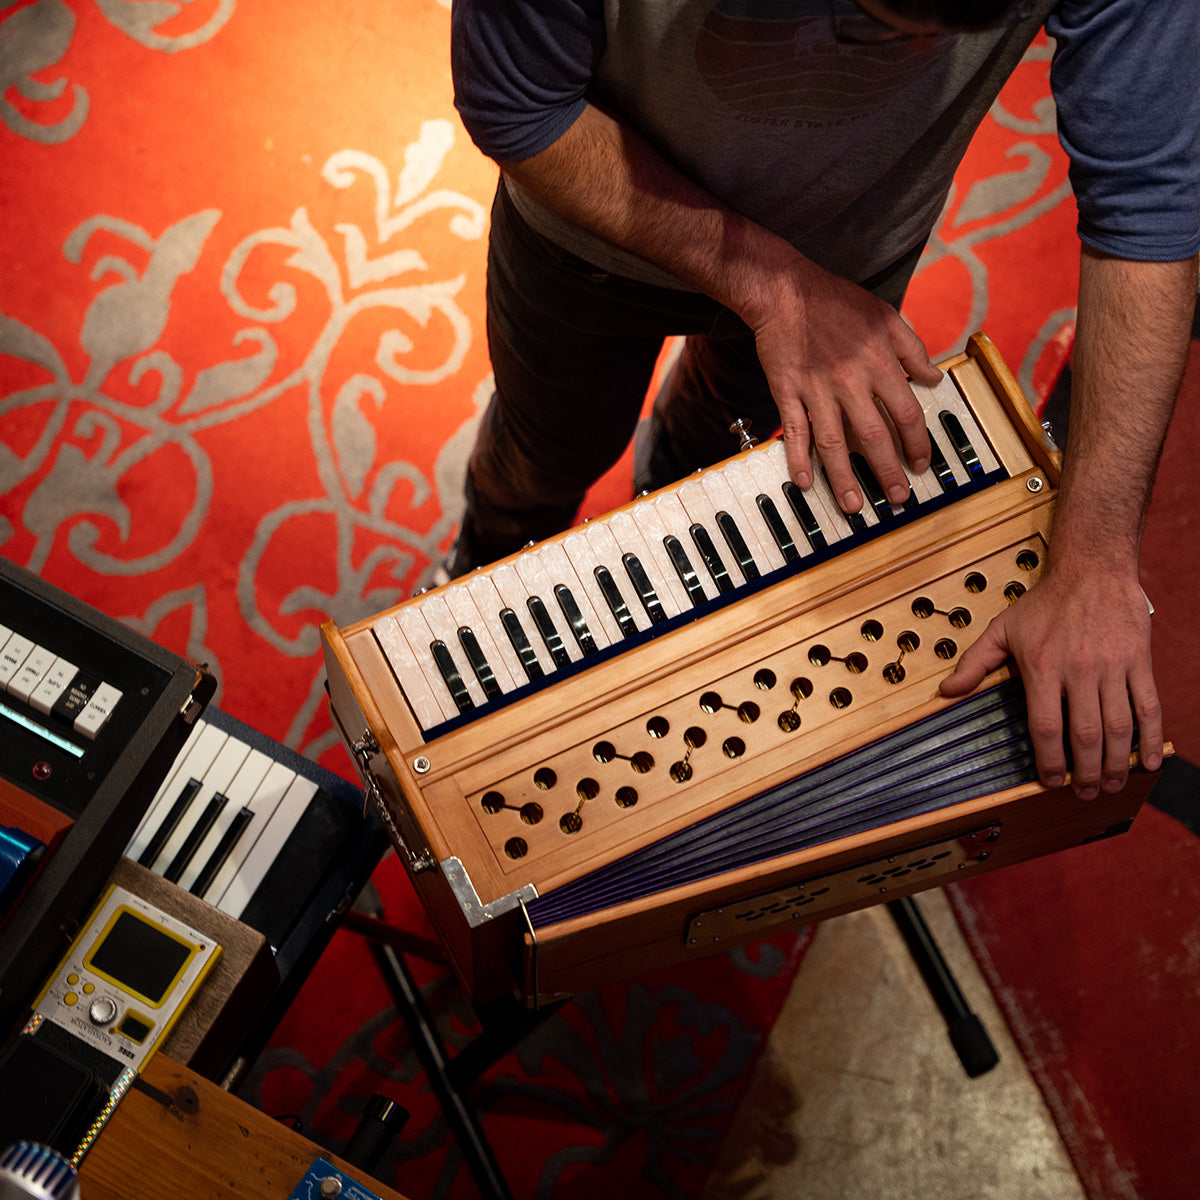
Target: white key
(833, 524)
(629, 537)
(736, 475)
(649, 519)
(37, 662)
(263, 853)
(949, 399)
(699, 509)
(97, 711)
(583, 560)
(416, 631)
(414, 687)
(511, 589)
(263, 804)
(216, 779)
(608, 555)
(531, 567)
(490, 604)
(5, 634)
(249, 775)
(763, 472)
(676, 522)
(16, 650)
(46, 695)
(200, 749)
(558, 565)
(435, 610)
(467, 615)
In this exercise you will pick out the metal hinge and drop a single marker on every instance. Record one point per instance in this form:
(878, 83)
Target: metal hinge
(364, 750)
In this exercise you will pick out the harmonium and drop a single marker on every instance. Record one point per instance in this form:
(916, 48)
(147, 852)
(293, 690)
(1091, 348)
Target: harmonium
(714, 712)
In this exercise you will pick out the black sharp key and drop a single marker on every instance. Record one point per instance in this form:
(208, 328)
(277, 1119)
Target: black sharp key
(520, 643)
(962, 444)
(644, 588)
(712, 560)
(479, 663)
(197, 834)
(579, 628)
(855, 520)
(175, 814)
(216, 861)
(454, 681)
(615, 601)
(804, 514)
(779, 530)
(685, 570)
(941, 468)
(545, 626)
(734, 540)
(871, 486)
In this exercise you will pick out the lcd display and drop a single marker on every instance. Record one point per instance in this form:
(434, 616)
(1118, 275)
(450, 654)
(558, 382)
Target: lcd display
(140, 957)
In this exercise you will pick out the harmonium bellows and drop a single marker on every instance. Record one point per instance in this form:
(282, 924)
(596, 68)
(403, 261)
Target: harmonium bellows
(714, 712)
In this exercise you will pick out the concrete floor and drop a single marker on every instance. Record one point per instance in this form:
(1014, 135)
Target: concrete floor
(859, 1093)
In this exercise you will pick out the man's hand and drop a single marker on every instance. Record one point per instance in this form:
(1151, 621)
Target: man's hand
(840, 358)
(1086, 642)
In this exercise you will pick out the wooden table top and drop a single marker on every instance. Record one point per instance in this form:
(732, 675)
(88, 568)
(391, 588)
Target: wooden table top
(175, 1133)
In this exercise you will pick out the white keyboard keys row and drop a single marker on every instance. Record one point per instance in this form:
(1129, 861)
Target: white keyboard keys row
(220, 818)
(605, 581)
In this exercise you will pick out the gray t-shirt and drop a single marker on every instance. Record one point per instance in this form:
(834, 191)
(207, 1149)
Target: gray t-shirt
(847, 151)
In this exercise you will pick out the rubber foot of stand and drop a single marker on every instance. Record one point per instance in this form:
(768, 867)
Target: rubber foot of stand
(972, 1044)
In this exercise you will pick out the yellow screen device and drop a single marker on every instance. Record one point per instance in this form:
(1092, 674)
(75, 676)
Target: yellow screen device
(127, 977)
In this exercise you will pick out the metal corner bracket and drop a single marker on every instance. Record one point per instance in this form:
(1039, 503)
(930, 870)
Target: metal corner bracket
(468, 899)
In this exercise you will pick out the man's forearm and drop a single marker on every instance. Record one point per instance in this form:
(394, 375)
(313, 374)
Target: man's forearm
(603, 176)
(831, 351)
(1131, 342)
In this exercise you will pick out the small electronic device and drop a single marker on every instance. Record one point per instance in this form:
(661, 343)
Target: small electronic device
(127, 978)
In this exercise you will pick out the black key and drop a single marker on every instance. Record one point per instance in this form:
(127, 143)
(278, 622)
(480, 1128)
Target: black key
(871, 486)
(779, 530)
(175, 814)
(804, 514)
(520, 643)
(615, 601)
(856, 521)
(644, 588)
(962, 444)
(197, 834)
(570, 609)
(734, 540)
(224, 849)
(712, 560)
(454, 681)
(685, 570)
(479, 663)
(545, 626)
(941, 468)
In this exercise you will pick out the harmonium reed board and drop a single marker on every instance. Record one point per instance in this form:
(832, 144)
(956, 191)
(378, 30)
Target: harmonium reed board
(714, 712)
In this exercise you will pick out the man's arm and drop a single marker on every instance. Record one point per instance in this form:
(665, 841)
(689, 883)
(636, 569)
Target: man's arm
(829, 348)
(1083, 634)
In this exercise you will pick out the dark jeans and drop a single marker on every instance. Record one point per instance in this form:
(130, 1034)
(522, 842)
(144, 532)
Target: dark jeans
(573, 350)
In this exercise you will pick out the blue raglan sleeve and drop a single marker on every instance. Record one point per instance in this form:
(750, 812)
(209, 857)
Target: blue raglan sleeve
(1125, 82)
(522, 69)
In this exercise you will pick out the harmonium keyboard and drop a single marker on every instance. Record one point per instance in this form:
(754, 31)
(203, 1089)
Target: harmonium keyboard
(715, 712)
(91, 716)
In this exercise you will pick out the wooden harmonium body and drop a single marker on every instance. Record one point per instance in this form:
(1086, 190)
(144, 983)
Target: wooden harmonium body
(715, 711)
(91, 716)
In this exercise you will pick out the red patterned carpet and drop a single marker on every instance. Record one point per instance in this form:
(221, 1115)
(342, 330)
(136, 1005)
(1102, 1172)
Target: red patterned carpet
(241, 361)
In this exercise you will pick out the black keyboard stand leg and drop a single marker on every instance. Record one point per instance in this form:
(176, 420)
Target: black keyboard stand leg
(967, 1034)
(432, 1052)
